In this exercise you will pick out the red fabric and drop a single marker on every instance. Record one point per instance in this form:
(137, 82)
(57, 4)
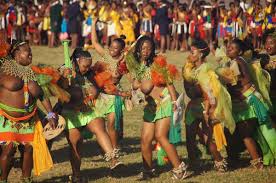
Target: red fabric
(153, 12)
(122, 68)
(274, 20)
(259, 30)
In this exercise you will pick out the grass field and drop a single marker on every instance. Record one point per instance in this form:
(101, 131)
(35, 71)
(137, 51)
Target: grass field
(96, 170)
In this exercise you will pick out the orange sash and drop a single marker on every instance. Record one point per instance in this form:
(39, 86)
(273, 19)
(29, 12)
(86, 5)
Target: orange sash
(23, 118)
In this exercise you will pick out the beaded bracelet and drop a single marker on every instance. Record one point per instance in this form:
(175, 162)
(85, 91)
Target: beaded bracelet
(51, 115)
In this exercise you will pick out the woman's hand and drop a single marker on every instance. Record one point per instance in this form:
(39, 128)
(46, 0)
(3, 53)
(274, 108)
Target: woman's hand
(67, 72)
(206, 118)
(125, 94)
(53, 122)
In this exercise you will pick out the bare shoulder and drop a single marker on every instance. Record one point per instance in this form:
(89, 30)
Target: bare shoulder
(34, 88)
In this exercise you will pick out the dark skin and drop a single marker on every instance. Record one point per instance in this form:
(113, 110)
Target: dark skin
(207, 128)
(270, 45)
(158, 130)
(236, 92)
(11, 87)
(96, 126)
(116, 52)
(270, 66)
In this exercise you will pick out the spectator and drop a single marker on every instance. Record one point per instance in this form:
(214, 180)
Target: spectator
(74, 22)
(55, 19)
(162, 21)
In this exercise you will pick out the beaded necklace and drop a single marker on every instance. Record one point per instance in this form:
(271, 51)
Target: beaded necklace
(10, 67)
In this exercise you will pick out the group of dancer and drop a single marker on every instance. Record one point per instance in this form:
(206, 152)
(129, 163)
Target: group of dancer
(234, 100)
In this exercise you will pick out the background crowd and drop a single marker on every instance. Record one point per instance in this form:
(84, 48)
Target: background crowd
(173, 24)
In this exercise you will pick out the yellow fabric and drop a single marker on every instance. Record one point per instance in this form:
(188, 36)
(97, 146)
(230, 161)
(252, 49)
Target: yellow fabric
(219, 136)
(268, 10)
(261, 81)
(209, 82)
(103, 14)
(250, 10)
(223, 111)
(41, 156)
(46, 23)
(188, 71)
(128, 29)
(115, 17)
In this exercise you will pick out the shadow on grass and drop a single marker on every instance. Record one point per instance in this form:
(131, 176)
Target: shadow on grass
(103, 172)
(90, 148)
(206, 165)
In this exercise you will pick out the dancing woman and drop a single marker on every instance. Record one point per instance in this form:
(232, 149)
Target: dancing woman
(250, 110)
(216, 101)
(84, 111)
(270, 66)
(108, 74)
(154, 77)
(20, 124)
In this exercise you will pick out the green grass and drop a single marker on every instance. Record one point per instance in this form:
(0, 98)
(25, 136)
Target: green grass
(96, 170)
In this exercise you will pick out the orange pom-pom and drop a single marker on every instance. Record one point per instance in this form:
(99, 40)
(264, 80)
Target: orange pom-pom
(157, 78)
(99, 67)
(173, 70)
(47, 71)
(161, 61)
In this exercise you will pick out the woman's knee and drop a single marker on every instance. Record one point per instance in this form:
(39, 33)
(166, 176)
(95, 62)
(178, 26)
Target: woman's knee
(160, 137)
(28, 148)
(145, 142)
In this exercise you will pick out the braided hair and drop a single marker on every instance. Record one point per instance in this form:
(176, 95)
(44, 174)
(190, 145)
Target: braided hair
(121, 41)
(138, 49)
(79, 53)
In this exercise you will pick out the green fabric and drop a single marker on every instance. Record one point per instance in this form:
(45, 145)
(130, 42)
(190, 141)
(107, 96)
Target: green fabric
(78, 119)
(217, 92)
(23, 127)
(193, 111)
(175, 132)
(154, 112)
(43, 79)
(114, 104)
(242, 111)
(261, 80)
(14, 109)
(86, 134)
(259, 107)
(118, 112)
(161, 157)
(265, 135)
(138, 70)
(273, 100)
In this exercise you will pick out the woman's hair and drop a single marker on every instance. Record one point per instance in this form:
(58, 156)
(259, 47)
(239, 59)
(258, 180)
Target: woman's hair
(138, 49)
(240, 44)
(15, 45)
(121, 41)
(202, 46)
(79, 53)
